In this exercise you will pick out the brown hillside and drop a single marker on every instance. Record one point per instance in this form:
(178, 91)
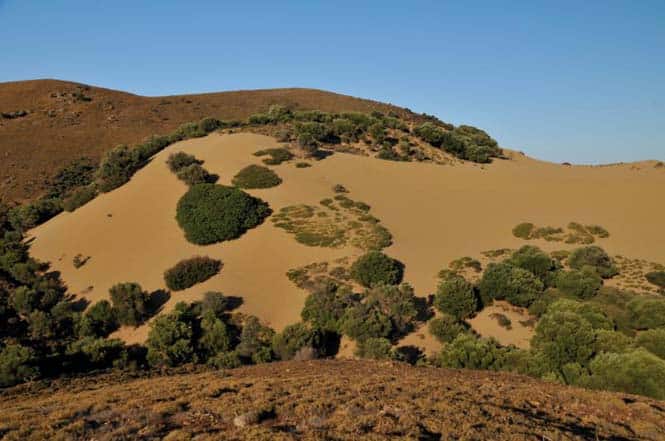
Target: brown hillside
(66, 121)
(326, 400)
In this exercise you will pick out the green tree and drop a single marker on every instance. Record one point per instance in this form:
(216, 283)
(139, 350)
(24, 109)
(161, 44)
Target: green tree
(457, 297)
(130, 302)
(564, 337)
(376, 268)
(594, 257)
(504, 281)
(170, 340)
(636, 372)
(445, 328)
(582, 284)
(99, 320)
(17, 365)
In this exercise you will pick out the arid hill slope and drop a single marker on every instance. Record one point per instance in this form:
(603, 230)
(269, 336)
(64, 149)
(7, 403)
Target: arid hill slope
(66, 121)
(317, 400)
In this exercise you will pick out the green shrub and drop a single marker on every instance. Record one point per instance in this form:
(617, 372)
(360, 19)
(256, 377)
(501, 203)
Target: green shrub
(130, 302)
(564, 337)
(594, 257)
(256, 176)
(79, 198)
(656, 278)
(646, 313)
(17, 364)
(325, 307)
(216, 302)
(457, 297)
(376, 268)
(195, 174)
(590, 312)
(225, 360)
(653, 340)
(636, 372)
(117, 167)
(170, 340)
(504, 281)
(532, 259)
(430, 133)
(179, 160)
(96, 353)
(293, 338)
(469, 352)
(611, 341)
(445, 328)
(255, 340)
(523, 230)
(79, 173)
(212, 213)
(582, 284)
(189, 272)
(99, 320)
(374, 348)
(277, 155)
(303, 165)
(215, 335)
(30, 215)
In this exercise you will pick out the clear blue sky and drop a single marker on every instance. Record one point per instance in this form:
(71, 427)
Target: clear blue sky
(579, 81)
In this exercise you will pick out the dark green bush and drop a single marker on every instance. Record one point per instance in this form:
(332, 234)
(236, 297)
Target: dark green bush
(657, 278)
(215, 335)
(446, 328)
(170, 340)
(256, 176)
(523, 230)
(582, 284)
(564, 337)
(195, 174)
(179, 160)
(470, 352)
(277, 155)
(594, 257)
(216, 302)
(592, 313)
(611, 341)
(504, 281)
(636, 372)
(79, 173)
(79, 197)
(374, 348)
(430, 133)
(376, 268)
(225, 360)
(96, 353)
(653, 340)
(366, 320)
(99, 320)
(17, 364)
(293, 338)
(130, 302)
(255, 341)
(189, 272)
(647, 313)
(457, 297)
(212, 213)
(325, 307)
(30, 215)
(532, 259)
(117, 167)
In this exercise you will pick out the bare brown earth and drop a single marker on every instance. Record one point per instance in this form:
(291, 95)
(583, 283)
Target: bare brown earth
(67, 121)
(326, 400)
(436, 214)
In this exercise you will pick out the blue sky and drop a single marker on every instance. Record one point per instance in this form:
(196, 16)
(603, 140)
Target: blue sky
(563, 81)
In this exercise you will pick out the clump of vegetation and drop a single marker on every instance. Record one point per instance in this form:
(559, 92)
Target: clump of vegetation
(131, 303)
(577, 233)
(464, 263)
(256, 176)
(656, 278)
(276, 155)
(446, 328)
(503, 281)
(464, 142)
(210, 213)
(303, 165)
(582, 284)
(79, 173)
(99, 320)
(470, 352)
(28, 216)
(189, 272)
(79, 198)
(638, 372)
(179, 160)
(374, 349)
(456, 297)
(502, 319)
(195, 174)
(79, 260)
(375, 268)
(534, 260)
(594, 257)
(326, 305)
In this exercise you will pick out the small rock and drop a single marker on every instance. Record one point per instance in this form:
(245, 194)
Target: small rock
(246, 419)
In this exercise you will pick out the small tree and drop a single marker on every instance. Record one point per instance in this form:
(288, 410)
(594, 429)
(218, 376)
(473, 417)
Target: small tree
(582, 284)
(293, 338)
(325, 307)
(636, 372)
(99, 320)
(504, 281)
(470, 352)
(564, 337)
(215, 335)
(653, 340)
(457, 297)
(130, 302)
(255, 341)
(376, 268)
(178, 161)
(445, 328)
(657, 278)
(170, 341)
(532, 259)
(189, 272)
(17, 365)
(594, 257)
(374, 348)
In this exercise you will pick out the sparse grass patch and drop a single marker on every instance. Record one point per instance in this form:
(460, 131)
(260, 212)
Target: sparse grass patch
(256, 176)
(576, 233)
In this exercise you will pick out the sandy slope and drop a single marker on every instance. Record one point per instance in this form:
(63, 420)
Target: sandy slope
(435, 213)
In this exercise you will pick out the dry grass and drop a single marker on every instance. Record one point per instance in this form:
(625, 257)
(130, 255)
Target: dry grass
(323, 400)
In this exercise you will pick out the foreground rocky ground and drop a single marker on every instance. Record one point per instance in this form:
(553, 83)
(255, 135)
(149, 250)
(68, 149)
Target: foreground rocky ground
(324, 400)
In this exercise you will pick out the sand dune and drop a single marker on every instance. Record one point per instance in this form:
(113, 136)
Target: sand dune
(435, 213)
